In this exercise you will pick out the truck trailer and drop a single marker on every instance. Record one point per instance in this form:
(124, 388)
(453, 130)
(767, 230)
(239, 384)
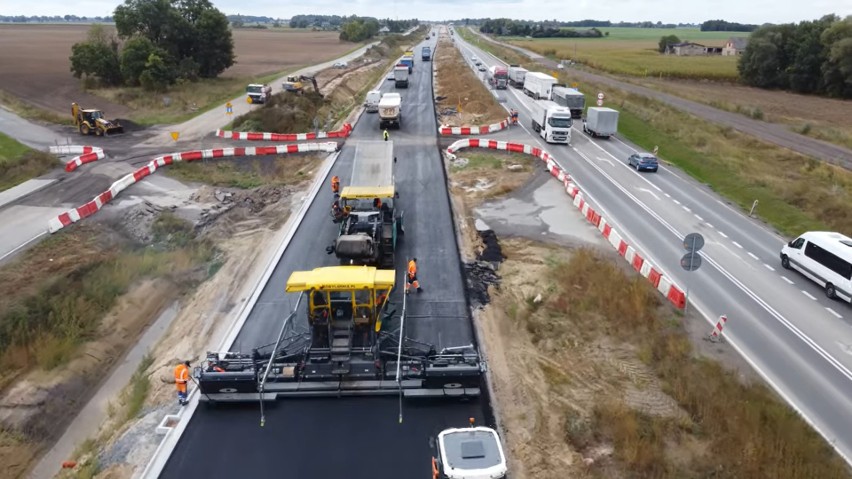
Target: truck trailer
(400, 76)
(538, 85)
(498, 77)
(570, 97)
(516, 75)
(390, 110)
(552, 122)
(601, 122)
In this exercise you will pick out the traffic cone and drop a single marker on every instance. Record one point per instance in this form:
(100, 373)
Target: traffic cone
(716, 334)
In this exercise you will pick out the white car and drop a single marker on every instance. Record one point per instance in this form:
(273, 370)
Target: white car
(340, 65)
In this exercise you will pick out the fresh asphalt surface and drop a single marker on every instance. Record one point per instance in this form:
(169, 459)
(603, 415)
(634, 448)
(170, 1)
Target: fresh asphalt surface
(351, 437)
(783, 323)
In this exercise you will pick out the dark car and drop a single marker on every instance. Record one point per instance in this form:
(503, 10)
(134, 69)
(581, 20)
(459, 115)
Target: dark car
(643, 161)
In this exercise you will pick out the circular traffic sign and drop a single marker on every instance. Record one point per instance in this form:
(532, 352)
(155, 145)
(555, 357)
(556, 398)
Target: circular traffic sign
(691, 261)
(600, 96)
(693, 242)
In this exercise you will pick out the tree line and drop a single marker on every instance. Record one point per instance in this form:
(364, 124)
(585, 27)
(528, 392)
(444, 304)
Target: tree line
(723, 26)
(358, 29)
(159, 43)
(509, 27)
(808, 57)
(53, 19)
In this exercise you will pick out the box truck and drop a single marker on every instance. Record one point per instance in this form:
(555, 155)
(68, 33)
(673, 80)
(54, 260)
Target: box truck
(516, 75)
(538, 85)
(601, 122)
(551, 121)
(400, 76)
(570, 97)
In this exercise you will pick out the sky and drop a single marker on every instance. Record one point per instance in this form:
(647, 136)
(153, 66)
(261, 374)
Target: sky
(667, 11)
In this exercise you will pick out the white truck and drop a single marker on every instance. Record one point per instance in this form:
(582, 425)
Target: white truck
(570, 97)
(371, 103)
(601, 122)
(390, 111)
(552, 122)
(400, 76)
(516, 75)
(538, 85)
(258, 93)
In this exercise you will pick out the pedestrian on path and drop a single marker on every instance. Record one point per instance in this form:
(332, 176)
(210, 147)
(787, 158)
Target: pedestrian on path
(181, 378)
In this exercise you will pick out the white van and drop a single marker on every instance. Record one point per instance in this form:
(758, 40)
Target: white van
(372, 101)
(825, 258)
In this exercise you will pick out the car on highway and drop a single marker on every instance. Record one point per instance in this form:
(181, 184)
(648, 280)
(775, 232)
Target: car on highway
(474, 59)
(823, 257)
(643, 162)
(482, 68)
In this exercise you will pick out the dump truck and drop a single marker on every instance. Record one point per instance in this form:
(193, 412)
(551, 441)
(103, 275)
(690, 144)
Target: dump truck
(570, 97)
(370, 221)
(601, 122)
(390, 111)
(551, 121)
(426, 54)
(258, 93)
(498, 77)
(517, 74)
(473, 452)
(349, 348)
(538, 85)
(93, 122)
(400, 76)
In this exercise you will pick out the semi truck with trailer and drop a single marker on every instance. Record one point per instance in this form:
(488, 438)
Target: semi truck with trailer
(390, 111)
(400, 76)
(498, 77)
(516, 75)
(539, 85)
(601, 122)
(570, 97)
(551, 121)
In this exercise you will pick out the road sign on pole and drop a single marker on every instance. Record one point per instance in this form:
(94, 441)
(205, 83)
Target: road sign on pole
(691, 261)
(575, 85)
(600, 102)
(600, 95)
(229, 109)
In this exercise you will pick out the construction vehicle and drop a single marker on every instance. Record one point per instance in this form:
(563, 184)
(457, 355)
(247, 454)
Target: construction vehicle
(400, 76)
(93, 122)
(473, 452)
(347, 349)
(370, 223)
(295, 83)
(570, 97)
(390, 111)
(551, 121)
(258, 93)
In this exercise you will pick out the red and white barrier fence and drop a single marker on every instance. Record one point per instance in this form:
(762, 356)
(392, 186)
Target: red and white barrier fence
(86, 154)
(255, 136)
(663, 283)
(716, 334)
(76, 214)
(474, 130)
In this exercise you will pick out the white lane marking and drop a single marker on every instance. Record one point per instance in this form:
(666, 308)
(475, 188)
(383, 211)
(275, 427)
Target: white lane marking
(723, 235)
(753, 256)
(686, 209)
(834, 313)
(699, 218)
(606, 160)
(667, 195)
(770, 268)
(787, 279)
(676, 202)
(646, 190)
(737, 244)
(710, 225)
(808, 295)
(22, 245)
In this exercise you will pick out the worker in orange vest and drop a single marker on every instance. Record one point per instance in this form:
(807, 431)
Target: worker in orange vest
(335, 184)
(411, 279)
(181, 378)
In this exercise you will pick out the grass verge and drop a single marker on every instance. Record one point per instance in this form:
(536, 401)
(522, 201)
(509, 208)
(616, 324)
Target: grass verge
(480, 175)
(247, 173)
(30, 112)
(19, 163)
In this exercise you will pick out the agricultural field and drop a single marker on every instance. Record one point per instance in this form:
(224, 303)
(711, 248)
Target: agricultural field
(35, 67)
(633, 51)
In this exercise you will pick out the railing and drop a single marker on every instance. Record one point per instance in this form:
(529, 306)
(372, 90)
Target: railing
(272, 356)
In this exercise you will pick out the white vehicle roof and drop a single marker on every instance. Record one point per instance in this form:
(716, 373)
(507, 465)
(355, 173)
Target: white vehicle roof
(831, 241)
(390, 100)
(540, 75)
(471, 452)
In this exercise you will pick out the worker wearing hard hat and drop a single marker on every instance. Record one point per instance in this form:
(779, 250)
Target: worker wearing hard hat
(411, 278)
(335, 184)
(181, 378)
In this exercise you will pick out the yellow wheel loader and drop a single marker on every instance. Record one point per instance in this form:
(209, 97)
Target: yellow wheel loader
(92, 122)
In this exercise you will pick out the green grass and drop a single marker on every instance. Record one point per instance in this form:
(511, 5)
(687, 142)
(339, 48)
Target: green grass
(247, 173)
(137, 391)
(30, 112)
(19, 163)
(633, 51)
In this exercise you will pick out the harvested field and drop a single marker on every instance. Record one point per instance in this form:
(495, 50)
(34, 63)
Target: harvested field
(35, 66)
(456, 84)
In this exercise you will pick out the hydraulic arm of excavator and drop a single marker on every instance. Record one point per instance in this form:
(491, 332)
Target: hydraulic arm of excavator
(313, 81)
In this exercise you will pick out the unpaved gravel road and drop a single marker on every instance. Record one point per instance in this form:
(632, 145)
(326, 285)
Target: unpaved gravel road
(769, 132)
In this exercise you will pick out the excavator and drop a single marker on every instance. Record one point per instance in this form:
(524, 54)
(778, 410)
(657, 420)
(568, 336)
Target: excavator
(90, 122)
(295, 84)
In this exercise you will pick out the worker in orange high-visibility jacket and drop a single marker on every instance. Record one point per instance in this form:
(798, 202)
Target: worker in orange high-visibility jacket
(411, 278)
(335, 184)
(181, 378)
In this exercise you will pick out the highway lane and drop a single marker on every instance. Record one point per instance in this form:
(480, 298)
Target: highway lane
(351, 437)
(794, 341)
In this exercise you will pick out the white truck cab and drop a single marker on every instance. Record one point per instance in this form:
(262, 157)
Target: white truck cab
(552, 121)
(469, 453)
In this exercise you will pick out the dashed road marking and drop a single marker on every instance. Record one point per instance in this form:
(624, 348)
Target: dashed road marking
(770, 268)
(699, 218)
(709, 225)
(686, 209)
(836, 315)
(787, 279)
(737, 244)
(667, 195)
(723, 235)
(676, 202)
(754, 256)
(808, 295)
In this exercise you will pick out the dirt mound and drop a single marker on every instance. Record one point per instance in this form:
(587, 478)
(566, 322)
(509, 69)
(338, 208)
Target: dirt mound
(285, 113)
